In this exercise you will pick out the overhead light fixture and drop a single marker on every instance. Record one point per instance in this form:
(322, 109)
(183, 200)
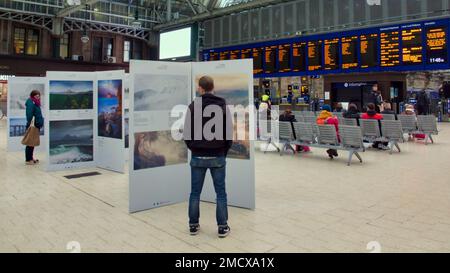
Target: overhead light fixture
(136, 23)
(85, 37)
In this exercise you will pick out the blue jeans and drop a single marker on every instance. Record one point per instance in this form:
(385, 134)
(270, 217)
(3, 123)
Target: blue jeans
(216, 166)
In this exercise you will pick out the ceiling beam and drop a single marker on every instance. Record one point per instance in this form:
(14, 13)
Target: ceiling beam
(192, 7)
(69, 10)
(220, 12)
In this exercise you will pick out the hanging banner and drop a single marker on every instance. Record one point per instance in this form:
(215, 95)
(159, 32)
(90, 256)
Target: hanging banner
(19, 91)
(110, 120)
(158, 163)
(71, 125)
(233, 81)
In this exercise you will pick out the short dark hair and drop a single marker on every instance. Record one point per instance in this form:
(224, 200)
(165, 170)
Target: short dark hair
(207, 83)
(353, 106)
(34, 93)
(371, 106)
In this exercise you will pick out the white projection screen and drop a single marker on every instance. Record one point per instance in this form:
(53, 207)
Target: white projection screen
(175, 44)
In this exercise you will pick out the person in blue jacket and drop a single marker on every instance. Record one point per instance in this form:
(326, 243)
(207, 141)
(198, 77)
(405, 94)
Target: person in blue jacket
(33, 109)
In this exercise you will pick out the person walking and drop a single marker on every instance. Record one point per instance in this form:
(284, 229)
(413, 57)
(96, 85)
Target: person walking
(208, 153)
(33, 110)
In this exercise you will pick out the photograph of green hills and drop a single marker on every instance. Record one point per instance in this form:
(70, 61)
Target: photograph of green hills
(71, 95)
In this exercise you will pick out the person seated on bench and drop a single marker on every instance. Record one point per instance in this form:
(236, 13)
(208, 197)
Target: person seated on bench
(352, 112)
(287, 116)
(372, 114)
(388, 109)
(410, 111)
(326, 117)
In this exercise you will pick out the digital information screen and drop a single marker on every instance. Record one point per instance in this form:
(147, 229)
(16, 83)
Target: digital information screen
(369, 56)
(214, 56)
(284, 58)
(437, 45)
(331, 53)
(315, 55)
(349, 53)
(412, 46)
(257, 60)
(299, 56)
(246, 53)
(235, 54)
(390, 49)
(224, 55)
(269, 59)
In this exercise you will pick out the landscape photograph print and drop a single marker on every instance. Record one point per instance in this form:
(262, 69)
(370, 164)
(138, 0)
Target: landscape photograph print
(110, 108)
(234, 89)
(18, 127)
(158, 149)
(20, 92)
(160, 92)
(71, 141)
(71, 95)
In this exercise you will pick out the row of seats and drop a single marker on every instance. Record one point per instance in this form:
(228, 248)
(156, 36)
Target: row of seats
(352, 136)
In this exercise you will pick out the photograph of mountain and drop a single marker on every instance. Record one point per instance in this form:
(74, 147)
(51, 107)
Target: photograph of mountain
(71, 95)
(18, 127)
(71, 141)
(110, 108)
(234, 89)
(160, 92)
(20, 92)
(158, 149)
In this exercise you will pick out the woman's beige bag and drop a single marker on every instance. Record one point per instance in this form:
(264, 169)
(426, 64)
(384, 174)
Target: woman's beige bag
(31, 137)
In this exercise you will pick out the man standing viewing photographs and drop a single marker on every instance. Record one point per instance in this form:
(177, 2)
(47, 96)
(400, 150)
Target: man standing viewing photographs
(208, 133)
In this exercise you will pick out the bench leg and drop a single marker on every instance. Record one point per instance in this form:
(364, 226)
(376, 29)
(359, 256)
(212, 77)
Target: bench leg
(350, 156)
(398, 147)
(359, 157)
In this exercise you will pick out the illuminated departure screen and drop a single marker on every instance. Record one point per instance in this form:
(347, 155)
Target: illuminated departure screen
(315, 55)
(257, 60)
(246, 53)
(269, 59)
(284, 58)
(390, 49)
(331, 51)
(412, 46)
(224, 55)
(348, 52)
(213, 56)
(437, 45)
(369, 56)
(299, 56)
(234, 54)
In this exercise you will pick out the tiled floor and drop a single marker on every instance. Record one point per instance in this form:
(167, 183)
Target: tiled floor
(304, 204)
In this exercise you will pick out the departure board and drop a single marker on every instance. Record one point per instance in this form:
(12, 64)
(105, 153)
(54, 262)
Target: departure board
(225, 55)
(390, 49)
(235, 54)
(246, 53)
(213, 56)
(331, 53)
(437, 45)
(284, 58)
(269, 59)
(299, 56)
(257, 60)
(412, 46)
(315, 55)
(369, 45)
(349, 53)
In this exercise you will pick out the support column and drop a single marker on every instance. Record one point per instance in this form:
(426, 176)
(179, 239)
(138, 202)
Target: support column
(169, 11)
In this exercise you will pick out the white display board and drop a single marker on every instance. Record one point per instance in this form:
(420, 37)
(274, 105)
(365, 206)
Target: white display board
(110, 120)
(71, 124)
(158, 164)
(19, 91)
(233, 80)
